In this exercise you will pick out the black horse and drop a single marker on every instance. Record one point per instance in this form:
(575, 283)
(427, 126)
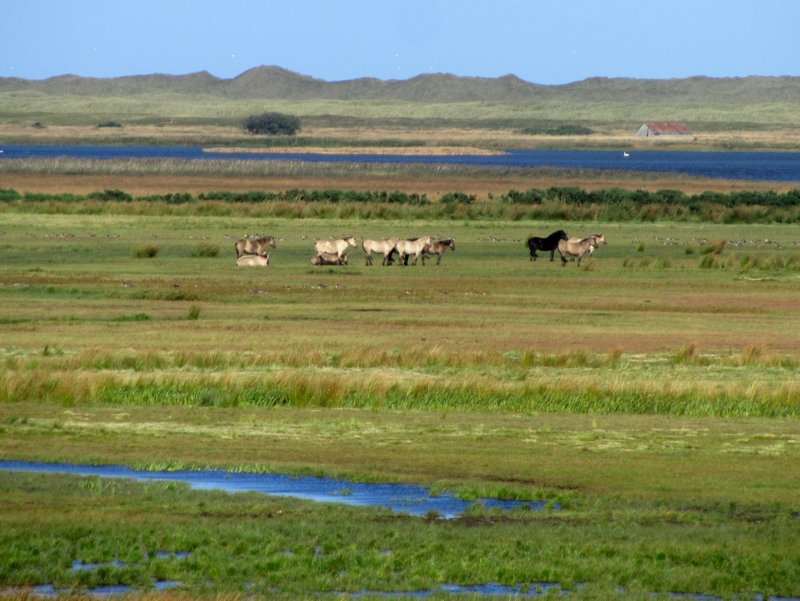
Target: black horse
(550, 243)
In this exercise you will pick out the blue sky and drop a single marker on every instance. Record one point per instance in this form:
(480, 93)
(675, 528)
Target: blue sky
(541, 41)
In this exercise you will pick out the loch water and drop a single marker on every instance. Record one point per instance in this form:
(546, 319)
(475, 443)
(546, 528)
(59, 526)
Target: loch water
(751, 166)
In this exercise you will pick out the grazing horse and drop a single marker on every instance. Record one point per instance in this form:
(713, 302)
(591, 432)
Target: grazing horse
(329, 259)
(437, 248)
(254, 246)
(411, 246)
(253, 261)
(550, 243)
(574, 247)
(383, 247)
(337, 247)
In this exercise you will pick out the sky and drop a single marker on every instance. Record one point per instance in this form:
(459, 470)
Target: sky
(540, 41)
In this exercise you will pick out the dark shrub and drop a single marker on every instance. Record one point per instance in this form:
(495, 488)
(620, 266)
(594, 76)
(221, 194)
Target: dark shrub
(272, 123)
(458, 198)
(111, 195)
(8, 194)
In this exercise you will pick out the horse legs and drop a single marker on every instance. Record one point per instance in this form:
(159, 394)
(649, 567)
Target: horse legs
(552, 254)
(368, 257)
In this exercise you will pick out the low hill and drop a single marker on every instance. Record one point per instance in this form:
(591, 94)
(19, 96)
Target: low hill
(277, 83)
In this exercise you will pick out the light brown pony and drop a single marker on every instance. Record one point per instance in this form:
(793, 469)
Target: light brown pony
(329, 259)
(573, 247)
(337, 247)
(411, 246)
(253, 261)
(437, 248)
(254, 246)
(384, 247)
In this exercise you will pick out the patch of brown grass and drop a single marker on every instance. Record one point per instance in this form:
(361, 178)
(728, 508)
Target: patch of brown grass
(432, 185)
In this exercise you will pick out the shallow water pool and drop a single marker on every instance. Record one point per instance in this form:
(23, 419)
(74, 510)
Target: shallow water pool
(401, 498)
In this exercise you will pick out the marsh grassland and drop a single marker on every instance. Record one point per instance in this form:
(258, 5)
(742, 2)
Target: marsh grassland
(650, 396)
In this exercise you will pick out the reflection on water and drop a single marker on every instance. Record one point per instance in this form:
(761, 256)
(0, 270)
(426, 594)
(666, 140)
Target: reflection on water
(401, 498)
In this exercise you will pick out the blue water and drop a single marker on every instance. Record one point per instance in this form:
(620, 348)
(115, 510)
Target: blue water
(753, 166)
(400, 498)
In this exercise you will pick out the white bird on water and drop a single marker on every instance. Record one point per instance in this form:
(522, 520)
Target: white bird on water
(625, 154)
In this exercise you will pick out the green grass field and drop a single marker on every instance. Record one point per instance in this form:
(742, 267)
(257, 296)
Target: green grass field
(651, 392)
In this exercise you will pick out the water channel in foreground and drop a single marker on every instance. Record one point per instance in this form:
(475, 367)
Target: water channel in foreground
(400, 498)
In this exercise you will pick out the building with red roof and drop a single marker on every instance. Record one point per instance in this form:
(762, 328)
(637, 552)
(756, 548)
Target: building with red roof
(663, 128)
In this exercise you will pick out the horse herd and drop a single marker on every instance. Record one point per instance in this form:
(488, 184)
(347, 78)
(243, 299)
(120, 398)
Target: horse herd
(254, 252)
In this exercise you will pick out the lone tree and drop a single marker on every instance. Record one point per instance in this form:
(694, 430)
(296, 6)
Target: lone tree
(272, 123)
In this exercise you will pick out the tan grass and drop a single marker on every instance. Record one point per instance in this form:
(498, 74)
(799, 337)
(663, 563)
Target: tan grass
(434, 186)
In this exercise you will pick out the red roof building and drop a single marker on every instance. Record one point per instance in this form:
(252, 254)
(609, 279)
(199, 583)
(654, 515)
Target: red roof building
(664, 128)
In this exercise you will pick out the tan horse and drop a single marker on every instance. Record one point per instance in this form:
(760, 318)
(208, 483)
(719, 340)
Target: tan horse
(383, 247)
(337, 247)
(573, 247)
(437, 248)
(254, 246)
(412, 246)
(253, 261)
(329, 259)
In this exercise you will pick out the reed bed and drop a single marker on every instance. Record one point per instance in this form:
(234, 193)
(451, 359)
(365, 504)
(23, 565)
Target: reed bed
(577, 383)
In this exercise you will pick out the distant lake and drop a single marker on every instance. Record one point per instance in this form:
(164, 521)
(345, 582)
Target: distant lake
(753, 166)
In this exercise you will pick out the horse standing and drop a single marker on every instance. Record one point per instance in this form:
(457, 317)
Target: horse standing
(329, 259)
(573, 247)
(437, 248)
(383, 247)
(412, 246)
(550, 243)
(254, 246)
(337, 247)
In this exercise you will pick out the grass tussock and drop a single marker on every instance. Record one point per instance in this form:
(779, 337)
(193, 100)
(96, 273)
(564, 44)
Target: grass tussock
(146, 251)
(205, 249)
